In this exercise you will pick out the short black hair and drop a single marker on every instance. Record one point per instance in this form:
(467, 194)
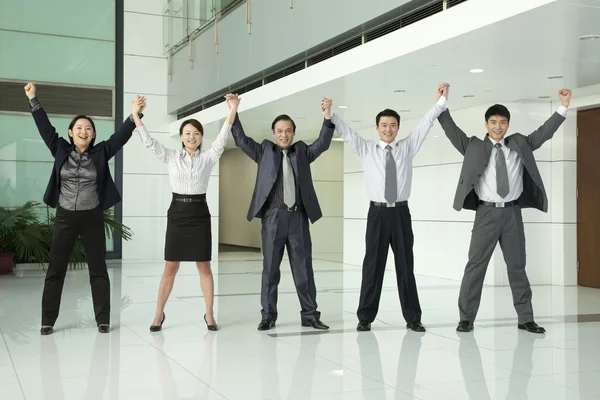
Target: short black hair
(497, 109)
(74, 121)
(387, 113)
(283, 117)
(196, 124)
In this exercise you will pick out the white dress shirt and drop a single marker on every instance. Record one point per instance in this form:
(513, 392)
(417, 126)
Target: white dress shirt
(486, 188)
(372, 154)
(188, 173)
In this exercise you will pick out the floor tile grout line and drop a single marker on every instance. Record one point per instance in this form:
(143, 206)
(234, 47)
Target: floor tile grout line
(12, 363)
(173, 360)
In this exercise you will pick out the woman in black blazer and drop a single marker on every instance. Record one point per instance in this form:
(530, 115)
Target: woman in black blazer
(81, 188)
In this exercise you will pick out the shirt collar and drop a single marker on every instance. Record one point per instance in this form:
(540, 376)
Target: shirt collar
(383, 144)
(184, 152)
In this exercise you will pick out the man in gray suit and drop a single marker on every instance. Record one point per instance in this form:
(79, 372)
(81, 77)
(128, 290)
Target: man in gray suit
(285, 199)
(499, 177)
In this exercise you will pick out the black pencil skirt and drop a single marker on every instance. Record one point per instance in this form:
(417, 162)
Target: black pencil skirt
(189, 236)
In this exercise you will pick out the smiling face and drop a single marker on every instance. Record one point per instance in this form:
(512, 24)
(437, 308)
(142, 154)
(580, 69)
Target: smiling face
(497, 120)
(284, 130)
(387, 124)
(191, 137)
(82, 132)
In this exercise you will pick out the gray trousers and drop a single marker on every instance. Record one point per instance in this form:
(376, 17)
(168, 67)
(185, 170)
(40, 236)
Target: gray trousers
(287, 229)
(493, 225)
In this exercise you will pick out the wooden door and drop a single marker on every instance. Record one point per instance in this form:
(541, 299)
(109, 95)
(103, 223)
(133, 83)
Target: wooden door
(588, 198)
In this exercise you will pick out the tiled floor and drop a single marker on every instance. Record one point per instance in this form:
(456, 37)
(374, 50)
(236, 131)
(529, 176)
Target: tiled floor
(185, 361)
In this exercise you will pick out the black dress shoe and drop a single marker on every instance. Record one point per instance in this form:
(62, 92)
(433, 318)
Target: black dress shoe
(266, 324)
(464, 326)
(531, 327)
(363, 326)
(316, 324)
(103, 328)
(158, 328)
(47, 331)
(415, 326)
(210, 327)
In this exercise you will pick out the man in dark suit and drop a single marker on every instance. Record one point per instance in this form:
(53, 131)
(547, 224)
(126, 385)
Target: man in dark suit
(284, 198)
(499, 177)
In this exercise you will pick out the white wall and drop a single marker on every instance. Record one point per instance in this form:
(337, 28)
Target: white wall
(146, 190)
(237, 179)
(442, 234)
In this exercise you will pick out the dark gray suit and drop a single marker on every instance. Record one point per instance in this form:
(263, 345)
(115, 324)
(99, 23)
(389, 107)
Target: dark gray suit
(492, 224)
(283, 227)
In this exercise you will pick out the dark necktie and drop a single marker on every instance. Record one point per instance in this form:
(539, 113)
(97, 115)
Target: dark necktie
(502, 187)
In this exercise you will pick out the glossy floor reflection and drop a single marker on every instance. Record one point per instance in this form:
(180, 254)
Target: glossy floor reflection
(185, 361)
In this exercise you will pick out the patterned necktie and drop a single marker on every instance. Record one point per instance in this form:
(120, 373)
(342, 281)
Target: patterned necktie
(289, 185)
(391, 183)
(501, 172)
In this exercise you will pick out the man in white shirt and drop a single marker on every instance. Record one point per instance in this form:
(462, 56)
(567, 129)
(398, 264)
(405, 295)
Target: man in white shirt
(499, 177)
(388, 176)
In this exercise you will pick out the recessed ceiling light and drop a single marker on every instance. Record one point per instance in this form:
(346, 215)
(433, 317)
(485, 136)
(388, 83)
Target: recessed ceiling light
(476, 70)
(337, 139)
(343, 106)
(543, 97)
(469, 95)
(555, 77)
(487, 90)
(403, 111)
(431, 66)
(399, 91)
(300, 117)
(356, 120)
(589, 37)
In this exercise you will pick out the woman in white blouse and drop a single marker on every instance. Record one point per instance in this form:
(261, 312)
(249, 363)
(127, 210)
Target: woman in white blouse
(189, 236)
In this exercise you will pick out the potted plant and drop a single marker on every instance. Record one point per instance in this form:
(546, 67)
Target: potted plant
(24, 239)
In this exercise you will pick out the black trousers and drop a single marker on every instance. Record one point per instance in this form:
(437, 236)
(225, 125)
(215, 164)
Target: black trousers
(387, 226)
(287, 229)
(68, 225)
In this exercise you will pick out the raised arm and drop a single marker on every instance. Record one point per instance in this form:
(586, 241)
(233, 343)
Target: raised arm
(415, 139)
(45, 128)
(546, 131)
(218, 146)
(165, 155)
(117, 140)
(315, 149)
(457, 137)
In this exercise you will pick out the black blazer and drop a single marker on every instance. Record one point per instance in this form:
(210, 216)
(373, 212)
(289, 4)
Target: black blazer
(477, 153)
(100, 153)
(268, 158)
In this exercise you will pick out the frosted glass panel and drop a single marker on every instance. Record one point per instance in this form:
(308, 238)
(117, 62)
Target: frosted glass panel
(57, 59)
(78, 18)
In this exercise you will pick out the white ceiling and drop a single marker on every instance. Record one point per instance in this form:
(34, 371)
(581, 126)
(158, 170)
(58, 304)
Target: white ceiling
(518, 54)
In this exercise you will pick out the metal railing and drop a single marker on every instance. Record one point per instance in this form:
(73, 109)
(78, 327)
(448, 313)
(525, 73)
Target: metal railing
(183, 20)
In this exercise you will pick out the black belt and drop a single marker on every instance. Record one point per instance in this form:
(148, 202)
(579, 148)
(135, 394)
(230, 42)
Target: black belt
(190, 199)
(498, 205)
(292, 208)
(396, 204)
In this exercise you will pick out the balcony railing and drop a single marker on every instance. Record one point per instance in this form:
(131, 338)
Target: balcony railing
(183, 19)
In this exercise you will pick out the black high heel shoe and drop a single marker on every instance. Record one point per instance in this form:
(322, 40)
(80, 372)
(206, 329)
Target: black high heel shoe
(210, 327)
(158, 328)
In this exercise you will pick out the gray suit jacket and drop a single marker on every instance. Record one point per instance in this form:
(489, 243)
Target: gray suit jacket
(268, 158)
(477, 154)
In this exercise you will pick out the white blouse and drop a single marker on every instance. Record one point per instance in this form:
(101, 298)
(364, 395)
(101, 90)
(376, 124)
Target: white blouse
(188, 173)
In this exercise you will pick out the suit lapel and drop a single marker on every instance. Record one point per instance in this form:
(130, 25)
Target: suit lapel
(513, 145)
(294, 160)
(487, 147)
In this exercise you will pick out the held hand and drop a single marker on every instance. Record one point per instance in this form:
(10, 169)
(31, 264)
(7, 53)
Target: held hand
(326, 107)
(565, 97)
(138, 105)
(30, 90)
(443, 90)
(233, 101)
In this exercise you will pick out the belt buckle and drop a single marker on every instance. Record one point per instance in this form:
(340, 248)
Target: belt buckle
(390, 205)
(187, 200)
(500, 205)
(292, 208)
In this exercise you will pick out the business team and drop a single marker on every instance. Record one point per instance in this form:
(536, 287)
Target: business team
(499, 178)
